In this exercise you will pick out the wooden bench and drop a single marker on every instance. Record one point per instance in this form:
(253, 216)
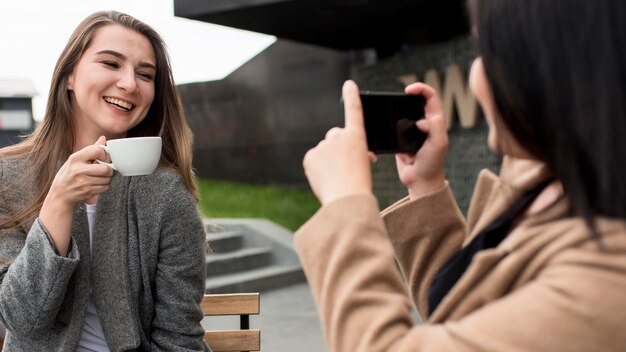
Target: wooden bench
(242, 304)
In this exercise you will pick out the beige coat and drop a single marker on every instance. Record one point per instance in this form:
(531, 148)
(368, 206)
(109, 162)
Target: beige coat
(546, 287)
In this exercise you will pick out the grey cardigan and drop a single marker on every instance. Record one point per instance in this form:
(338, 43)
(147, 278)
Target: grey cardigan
(146, 271)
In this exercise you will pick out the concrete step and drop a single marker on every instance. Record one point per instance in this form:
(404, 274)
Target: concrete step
(255, 280)
(225, 241)
(239, 260)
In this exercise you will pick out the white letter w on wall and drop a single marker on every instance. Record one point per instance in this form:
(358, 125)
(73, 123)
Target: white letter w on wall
(455, 92)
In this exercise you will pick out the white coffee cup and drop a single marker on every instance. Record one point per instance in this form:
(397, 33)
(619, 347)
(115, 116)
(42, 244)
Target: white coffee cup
(133, 156)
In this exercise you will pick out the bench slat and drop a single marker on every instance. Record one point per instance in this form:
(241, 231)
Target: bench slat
(230, 304)
(233, 340)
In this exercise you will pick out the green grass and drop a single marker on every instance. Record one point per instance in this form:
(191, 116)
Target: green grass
(285, 206)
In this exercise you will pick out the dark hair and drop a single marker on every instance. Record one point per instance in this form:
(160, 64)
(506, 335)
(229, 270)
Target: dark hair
(557, 71)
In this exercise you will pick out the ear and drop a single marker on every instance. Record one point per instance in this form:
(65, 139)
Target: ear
(70, 82)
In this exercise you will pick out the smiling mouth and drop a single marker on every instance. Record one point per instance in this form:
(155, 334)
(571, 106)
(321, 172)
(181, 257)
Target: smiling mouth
(119, 104)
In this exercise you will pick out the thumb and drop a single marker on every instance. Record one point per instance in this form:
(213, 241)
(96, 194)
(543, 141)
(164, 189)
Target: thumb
(101, 141)
(102, 154)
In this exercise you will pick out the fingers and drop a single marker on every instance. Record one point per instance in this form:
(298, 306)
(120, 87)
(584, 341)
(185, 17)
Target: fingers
(87, 173)
(95, 190)
(83, 161)
(433, 104)
(80, 178)
(331, 132)
(99, 170)
(373, 158)
(92, 152)
(96, 181)
(435, 123)
(405, 158)
(423, 125)
(353, 110)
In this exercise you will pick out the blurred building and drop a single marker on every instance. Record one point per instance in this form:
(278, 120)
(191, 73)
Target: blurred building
(16, 110)
(256, 124)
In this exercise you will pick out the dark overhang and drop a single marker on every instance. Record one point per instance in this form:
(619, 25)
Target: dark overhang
(341, 24)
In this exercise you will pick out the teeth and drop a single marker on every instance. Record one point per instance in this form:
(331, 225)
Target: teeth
(124, 104)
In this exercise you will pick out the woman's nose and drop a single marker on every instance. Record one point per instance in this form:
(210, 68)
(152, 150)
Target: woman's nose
(127, 81)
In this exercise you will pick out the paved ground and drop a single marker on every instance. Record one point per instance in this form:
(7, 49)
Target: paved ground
(288, 321)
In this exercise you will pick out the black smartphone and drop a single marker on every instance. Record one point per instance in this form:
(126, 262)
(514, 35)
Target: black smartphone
(390, 121)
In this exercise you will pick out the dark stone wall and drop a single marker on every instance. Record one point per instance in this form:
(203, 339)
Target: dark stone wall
(10, 137)
(468, 152)
(256, 124)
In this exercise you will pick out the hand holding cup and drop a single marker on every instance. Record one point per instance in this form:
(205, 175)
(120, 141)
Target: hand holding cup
(78, 180)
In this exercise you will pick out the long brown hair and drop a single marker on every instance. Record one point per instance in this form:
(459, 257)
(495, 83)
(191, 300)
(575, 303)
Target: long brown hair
(49, 146)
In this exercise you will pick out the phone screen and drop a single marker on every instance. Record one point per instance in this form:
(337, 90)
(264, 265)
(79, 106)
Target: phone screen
(390, 121)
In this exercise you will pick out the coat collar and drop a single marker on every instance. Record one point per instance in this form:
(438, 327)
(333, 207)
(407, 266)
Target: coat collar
(517, 176)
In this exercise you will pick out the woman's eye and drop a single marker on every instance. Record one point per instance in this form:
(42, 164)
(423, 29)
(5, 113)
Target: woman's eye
(146, 76)
(111, 64)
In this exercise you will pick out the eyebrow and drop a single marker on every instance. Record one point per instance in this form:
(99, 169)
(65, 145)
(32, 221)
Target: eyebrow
(123, 57)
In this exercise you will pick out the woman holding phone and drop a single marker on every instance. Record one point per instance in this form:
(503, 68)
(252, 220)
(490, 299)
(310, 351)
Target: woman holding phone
(91, 260)
(539, 264)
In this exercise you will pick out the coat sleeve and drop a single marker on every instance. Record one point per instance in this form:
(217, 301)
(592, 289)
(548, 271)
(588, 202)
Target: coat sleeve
(363, 305)
(424, 234)
(34, 282)
(180, 275)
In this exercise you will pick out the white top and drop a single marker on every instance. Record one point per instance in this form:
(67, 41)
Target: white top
(92, 339)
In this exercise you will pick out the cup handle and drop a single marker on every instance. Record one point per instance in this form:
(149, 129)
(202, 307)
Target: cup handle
(103, 162)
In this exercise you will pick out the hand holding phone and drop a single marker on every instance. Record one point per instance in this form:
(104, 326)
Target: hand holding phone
(339, 166)
(423, 172)
(389, 120)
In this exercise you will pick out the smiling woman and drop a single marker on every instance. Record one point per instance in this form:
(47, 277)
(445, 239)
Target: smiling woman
(112, 85)
(91, 260)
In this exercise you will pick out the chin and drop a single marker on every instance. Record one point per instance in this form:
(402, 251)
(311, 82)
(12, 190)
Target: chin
(112, 133)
